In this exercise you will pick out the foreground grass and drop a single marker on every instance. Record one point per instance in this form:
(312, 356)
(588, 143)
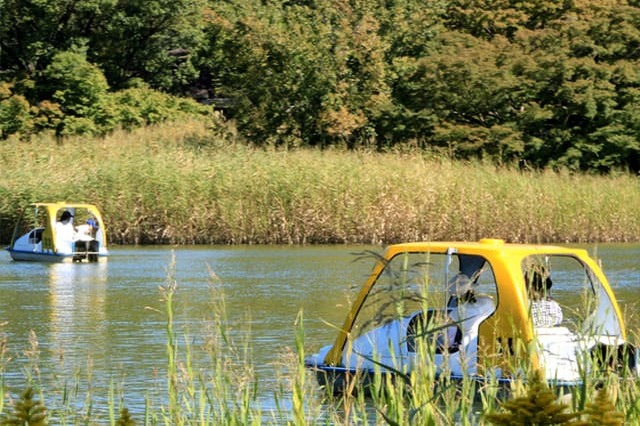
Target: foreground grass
(184, 184)
(225, 390)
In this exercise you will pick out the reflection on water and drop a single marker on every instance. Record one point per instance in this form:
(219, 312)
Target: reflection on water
(104, 322)
(77, 309)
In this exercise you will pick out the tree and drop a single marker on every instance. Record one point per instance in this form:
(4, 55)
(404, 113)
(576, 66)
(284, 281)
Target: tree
(31, 32)
(360, 92)
(274, 63)
(14, 112)
(153, 40)
(77, 85)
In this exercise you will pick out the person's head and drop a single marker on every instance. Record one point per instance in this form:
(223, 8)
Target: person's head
(538, 281)
(66, 216)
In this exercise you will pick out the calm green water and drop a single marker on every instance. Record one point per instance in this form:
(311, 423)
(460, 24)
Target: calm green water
(106, 315)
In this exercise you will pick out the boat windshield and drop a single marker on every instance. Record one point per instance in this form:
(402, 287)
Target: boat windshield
(412, 282)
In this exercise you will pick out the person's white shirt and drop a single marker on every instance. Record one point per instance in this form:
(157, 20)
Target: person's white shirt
(83, 233)
(65, 236)
(546, 313)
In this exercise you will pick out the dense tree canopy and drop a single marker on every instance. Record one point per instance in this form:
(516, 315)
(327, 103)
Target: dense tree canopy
(545, 83)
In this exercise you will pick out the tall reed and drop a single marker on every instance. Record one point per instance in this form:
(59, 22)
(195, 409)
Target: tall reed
(184, 184)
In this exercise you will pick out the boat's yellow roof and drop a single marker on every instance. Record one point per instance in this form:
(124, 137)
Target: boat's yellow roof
(485, 246)
(62, 204)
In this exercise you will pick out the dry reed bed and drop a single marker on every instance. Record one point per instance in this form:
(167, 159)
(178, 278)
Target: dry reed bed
(180, 184)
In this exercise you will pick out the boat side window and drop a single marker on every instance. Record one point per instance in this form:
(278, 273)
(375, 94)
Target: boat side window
(34, 220)
(586, 307)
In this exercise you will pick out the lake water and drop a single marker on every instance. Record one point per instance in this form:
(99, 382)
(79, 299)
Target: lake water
(96, 324)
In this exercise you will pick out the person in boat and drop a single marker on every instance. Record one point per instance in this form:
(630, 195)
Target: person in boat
(87, 231)
(65, 232)
(93, 224)
(545, 311)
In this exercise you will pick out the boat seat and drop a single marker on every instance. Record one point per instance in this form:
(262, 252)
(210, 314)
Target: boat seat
(447, 340)
(470, 315)
(36, 236)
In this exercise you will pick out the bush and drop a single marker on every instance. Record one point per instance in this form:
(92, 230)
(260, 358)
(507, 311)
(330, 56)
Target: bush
(14, 111)
(75, 83)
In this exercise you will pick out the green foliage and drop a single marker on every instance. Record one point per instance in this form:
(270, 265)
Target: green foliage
(127, 39)
(29, 32)
(14, 112)
(546, 84)
(153, 40)
(143, 106)
(47, 116)
(74, 82)
(71, 125)
(27, 411)
(78, 87)
(276, 74)
(125, 418)
(14, 115)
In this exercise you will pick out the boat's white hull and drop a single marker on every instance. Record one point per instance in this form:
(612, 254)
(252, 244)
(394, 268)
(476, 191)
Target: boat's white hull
(29, 247)
(566, 357)
(31, 256)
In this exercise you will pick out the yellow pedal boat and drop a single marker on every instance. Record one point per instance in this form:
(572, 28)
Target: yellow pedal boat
(59, 232)
(487, 310)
